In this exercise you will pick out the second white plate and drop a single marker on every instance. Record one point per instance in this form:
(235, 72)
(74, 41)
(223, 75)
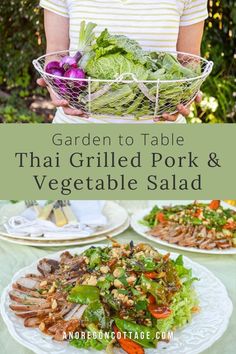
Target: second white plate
(115, 214)
(78, 242)
(143, 230)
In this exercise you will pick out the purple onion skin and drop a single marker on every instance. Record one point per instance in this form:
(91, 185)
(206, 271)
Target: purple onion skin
(77, 56)
(63, 89)
(67, 62)
(76, 73)
(59, 83)
(51, 66)
(57, 72)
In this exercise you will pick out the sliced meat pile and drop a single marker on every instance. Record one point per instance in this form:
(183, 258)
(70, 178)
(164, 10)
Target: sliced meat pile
(40, 299)
(191, 236)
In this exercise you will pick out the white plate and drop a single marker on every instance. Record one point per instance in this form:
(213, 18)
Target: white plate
(142, 229)
(204, 329)
(115, 214)
(78, 242)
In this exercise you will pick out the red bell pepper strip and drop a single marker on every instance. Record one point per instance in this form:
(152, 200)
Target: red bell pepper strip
(151, 275)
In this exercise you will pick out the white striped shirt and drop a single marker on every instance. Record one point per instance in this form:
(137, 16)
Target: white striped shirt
(154, 24)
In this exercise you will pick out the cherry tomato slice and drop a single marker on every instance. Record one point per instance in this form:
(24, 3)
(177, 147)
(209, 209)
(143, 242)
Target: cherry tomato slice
(160, 217)
(197, 213)
(151, 299)
(214, 204)
(230, 225)
(159, 312)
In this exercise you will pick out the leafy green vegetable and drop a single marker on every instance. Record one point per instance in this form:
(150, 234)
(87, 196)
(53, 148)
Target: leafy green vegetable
(95, 258)
(111, 97)
(114, 56)
(87, 343)
(83, 294)
(95, 313)
(106, 283)
(150, 219)
(141, 305)
(99, 341)
(179, 260)
(108, 44)
(128, 305)
(154, 288)
(111, 66)
(109, 299)
(86, 36)
(144, 264)
(138, 333)
(99, 334)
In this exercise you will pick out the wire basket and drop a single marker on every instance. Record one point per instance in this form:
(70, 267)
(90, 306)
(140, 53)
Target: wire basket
(126, 96)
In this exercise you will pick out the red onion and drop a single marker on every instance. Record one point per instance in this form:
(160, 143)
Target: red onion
(68, 62)
(51, 66)
(77, 56)
(76, 73)
(59, 83)
(63, 89)
(57, 71)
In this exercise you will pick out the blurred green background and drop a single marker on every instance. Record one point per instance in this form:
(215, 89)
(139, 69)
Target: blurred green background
(22, 40)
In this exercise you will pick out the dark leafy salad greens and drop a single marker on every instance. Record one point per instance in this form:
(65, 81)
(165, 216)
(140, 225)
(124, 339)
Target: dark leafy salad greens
(206, 226)
(126, 296)
(131, 289)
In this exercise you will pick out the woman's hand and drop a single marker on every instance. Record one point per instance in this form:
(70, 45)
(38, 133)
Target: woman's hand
(184, 110)
(62, 103)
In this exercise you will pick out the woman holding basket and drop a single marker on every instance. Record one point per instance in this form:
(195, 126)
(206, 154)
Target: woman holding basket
(166, 25)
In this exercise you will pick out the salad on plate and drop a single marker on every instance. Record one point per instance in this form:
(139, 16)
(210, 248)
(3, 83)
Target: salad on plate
(204, 226)
(120, 296)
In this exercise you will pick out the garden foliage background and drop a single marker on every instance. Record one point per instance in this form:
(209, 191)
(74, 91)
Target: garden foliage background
(22, 39)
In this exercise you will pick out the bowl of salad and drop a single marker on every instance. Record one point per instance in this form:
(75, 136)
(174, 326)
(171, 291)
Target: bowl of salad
(121, 298)
(111, 75)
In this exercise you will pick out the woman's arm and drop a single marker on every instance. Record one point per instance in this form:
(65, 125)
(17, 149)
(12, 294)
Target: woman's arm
(57, 31)
(57, 38)
(190, 38)
(189, 41)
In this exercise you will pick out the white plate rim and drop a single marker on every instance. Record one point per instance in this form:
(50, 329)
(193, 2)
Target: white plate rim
(36, 350)
(110, 203)
(77, 242)
(142, 229)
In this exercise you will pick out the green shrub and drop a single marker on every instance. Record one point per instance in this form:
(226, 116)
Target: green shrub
(22, 39)
(219, 46)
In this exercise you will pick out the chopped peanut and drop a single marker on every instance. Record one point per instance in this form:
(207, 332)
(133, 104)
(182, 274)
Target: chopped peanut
(51, 290)
(104, 269)
(54, 304)
(131, 279)
(117, 273)
(42, 326)
(118, 283)
(92, 280)
(43, 283)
